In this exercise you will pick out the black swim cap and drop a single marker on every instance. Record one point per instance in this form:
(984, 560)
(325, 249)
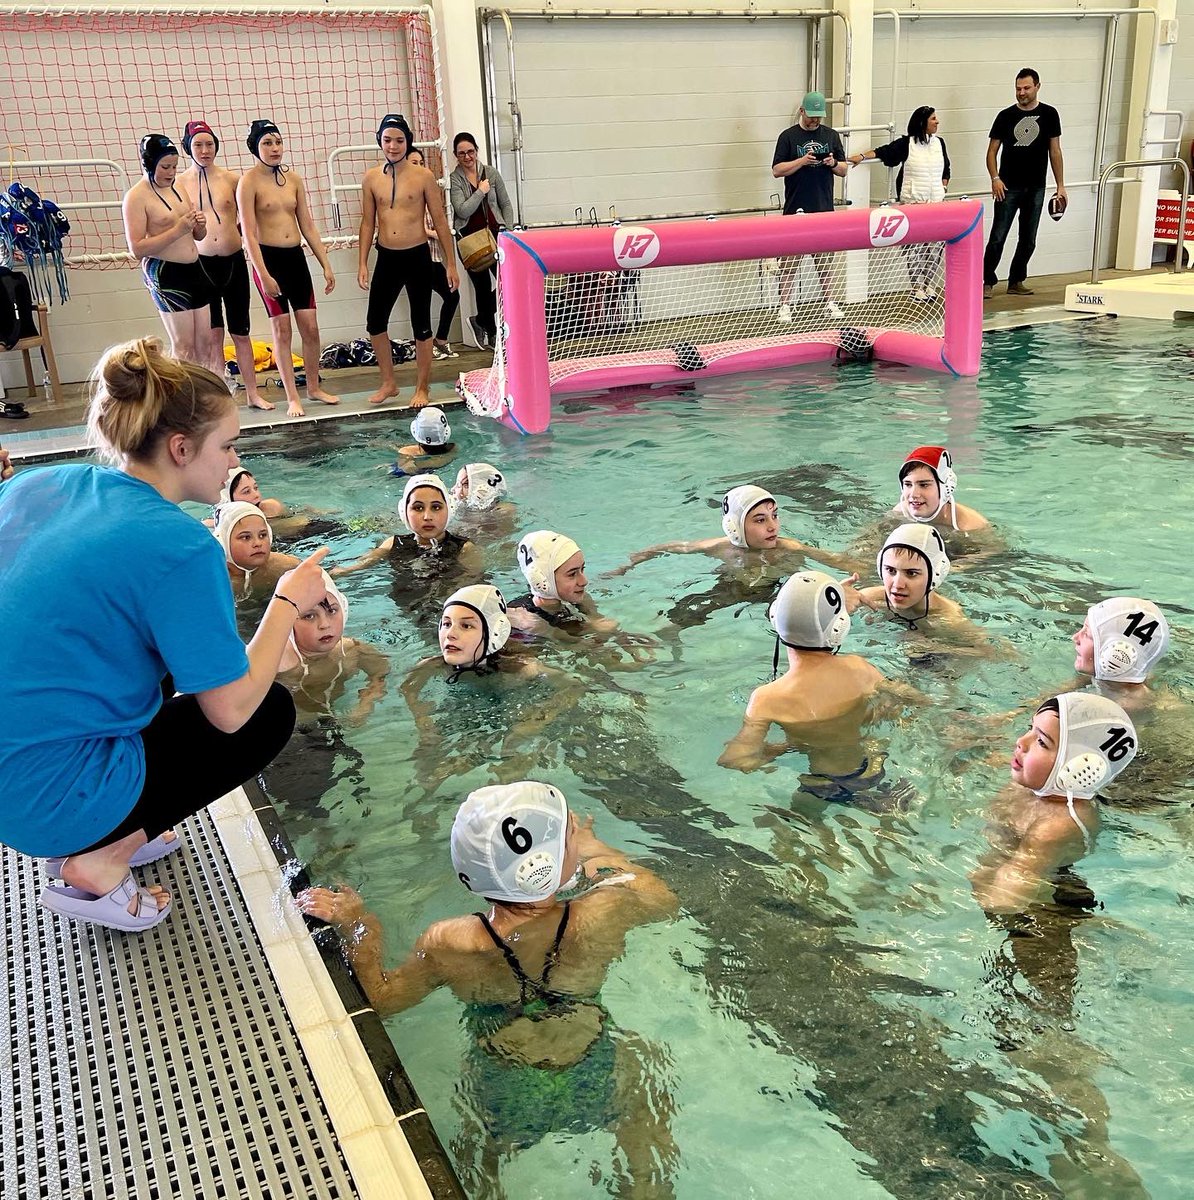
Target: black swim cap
(396, 121)
(194, 127)
(257, 131)
(155, 147)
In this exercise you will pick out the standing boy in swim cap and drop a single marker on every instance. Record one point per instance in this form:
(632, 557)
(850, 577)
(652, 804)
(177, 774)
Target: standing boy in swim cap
(276, 219)
(162, 228)
(397, 197)
(212, 191)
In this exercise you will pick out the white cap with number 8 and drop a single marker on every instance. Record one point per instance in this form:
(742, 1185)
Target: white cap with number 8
(508, 841)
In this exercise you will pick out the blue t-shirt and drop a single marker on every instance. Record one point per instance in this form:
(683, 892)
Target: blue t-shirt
(105, 586)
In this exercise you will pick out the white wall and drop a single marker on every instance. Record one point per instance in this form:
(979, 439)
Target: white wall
(966, 68)
(1181, 81)
(652, 116)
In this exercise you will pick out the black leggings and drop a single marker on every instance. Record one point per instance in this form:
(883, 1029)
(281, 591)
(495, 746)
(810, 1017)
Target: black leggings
(486, 300)
(189, 762)
(451, 301)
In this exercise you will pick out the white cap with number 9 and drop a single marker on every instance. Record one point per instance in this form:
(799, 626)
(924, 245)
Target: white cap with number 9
(508, 841)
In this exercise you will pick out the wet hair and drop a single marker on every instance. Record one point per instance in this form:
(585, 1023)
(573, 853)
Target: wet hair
(463, 137)
(139, 396)
(1050, 705)
(1029, 73)
(918, 123)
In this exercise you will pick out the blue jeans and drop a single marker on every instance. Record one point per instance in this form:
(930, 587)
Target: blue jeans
(1028, 202)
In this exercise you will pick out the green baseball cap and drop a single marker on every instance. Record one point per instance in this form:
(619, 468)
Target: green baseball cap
(813, 104)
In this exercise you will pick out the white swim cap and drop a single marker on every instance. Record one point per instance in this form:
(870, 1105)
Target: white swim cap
(736, 507)
(927, 542)
(490, 605)
(1097, 740)
(938, 460)
(1129, 636)
(422, 481)
(540, 554)
(229, 516)
(809, 613)
(486, 485)
(508, 841)
(431, 428)
(230, 484)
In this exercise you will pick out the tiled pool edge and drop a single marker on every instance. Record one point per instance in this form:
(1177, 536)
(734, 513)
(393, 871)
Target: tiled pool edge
(46, 445)
(383, 1130)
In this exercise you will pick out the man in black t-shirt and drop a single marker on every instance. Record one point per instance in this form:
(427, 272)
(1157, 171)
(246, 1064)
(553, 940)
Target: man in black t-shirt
(807, 157)
(1029, 135)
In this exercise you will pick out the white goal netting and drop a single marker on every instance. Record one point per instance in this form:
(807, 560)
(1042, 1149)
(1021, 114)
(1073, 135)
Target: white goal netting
(691, 317)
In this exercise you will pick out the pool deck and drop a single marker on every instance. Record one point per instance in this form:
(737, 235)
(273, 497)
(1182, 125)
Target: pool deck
(58, 430)
(227, 1052)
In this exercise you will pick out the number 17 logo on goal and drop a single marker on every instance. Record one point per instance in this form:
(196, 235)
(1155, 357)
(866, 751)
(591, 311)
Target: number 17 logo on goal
(888, 226)
(635, 246)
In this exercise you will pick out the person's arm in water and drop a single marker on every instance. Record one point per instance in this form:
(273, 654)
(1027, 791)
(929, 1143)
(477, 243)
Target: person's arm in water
(360, 930)
(640, 647)
(654, 899)
(5, 465)
(230, 706)
(376, 555)
(376, 667)
(747, 750)
(1014, 884)
(310, 232)
(412, 691)
(704, 546)
(830, 558)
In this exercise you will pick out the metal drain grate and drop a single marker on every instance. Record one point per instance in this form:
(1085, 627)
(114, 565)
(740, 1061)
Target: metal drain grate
(155, 1066)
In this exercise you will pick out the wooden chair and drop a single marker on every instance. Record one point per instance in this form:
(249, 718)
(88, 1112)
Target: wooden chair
(41, 342)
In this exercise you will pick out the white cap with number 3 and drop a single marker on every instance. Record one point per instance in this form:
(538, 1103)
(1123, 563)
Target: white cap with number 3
(508, 841)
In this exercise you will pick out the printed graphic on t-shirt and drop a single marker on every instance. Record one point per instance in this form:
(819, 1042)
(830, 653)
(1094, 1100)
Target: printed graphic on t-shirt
(816, 147)
(1027, 130)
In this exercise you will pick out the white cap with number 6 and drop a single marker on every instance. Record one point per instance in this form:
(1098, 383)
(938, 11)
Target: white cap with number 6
(508, 841)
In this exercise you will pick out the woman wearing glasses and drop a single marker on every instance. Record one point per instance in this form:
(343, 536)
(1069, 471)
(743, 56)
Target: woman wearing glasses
(479, 201)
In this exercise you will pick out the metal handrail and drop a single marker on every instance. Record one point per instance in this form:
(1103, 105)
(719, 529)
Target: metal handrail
(1180, 163)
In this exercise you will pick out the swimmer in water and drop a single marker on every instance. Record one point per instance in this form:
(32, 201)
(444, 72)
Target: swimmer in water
(1119, 644)
(241, 485)
(529, 971)
(474, 633)
(285, 524)
(750, 519)
(558, 605)
(319, 660)
(1048, 817)
(433, 446)
(927, 486)
(425, 509)
(824, 699)
(254, 568)
(912, 565)
(479, 486)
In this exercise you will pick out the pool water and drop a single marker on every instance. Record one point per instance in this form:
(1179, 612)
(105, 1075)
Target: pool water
(831, 1013)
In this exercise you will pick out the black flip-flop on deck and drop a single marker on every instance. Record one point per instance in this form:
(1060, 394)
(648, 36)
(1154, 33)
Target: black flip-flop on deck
(14, 412)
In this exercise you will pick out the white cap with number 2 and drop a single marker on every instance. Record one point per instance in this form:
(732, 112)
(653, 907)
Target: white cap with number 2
(508, 841)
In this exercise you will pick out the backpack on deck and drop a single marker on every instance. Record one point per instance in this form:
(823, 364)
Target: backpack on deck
(16, 309)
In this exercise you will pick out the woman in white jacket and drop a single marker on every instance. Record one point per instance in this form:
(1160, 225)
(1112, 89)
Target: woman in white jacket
(923, 179)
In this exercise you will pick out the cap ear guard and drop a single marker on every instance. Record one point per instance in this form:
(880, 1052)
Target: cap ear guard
(1130, 635)
(1082, 773)
(1117, 658)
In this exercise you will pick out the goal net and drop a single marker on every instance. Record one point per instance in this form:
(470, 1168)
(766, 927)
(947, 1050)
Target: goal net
(584, 309)
(88, 82)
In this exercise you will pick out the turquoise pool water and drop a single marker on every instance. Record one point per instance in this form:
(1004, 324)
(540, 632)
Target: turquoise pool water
(831, 1013)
